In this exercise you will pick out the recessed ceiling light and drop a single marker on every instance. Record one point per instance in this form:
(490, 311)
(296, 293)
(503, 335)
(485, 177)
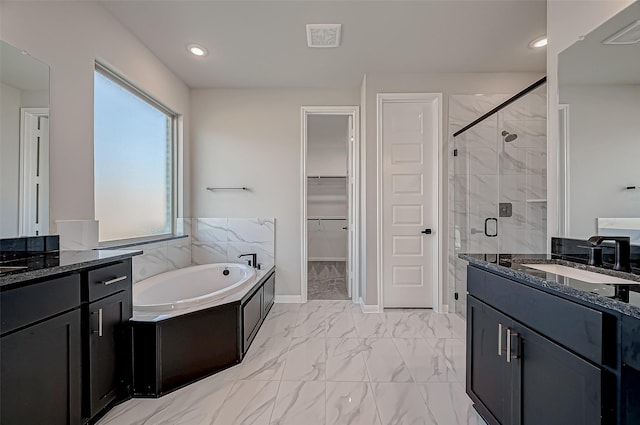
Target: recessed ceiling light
(538, 42)
(197, 50)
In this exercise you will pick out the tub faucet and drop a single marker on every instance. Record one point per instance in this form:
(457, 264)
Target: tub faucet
(623, 250)
(254, 260)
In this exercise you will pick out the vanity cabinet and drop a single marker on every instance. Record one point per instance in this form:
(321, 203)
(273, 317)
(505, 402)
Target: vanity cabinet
(65, 346)
(108, 343)
(41, 373)
(520, 377)
(108, 338)
(517, 374)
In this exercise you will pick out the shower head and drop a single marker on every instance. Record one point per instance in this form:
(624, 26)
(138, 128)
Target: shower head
(509, 137)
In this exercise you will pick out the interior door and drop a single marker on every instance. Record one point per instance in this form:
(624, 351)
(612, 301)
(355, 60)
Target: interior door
(409, 185)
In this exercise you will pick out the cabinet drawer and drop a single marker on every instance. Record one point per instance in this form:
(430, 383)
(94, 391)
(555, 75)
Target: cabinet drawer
(579, 328)
(28, 304)
(108, 280)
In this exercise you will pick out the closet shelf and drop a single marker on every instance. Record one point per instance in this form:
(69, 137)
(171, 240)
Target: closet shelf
(536, 200)
(326, 177)
(328, 217)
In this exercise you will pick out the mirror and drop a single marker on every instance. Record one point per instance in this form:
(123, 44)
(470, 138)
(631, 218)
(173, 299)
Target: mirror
(24, 144)
(599, 88)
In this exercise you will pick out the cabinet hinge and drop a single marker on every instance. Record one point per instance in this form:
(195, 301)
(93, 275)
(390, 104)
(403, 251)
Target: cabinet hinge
(455, 152)
(455, 296)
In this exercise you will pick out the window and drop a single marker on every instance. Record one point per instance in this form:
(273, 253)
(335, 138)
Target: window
(133, 161)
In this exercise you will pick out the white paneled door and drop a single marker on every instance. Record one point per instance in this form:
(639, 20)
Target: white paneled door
(410, 134)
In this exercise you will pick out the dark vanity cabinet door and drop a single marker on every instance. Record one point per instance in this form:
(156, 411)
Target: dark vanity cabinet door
(488, 373)
(552, 385)
(41, 373)
(109, 343)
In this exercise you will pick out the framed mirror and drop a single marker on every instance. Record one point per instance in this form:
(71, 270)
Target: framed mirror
(599, 88)
(24, 144)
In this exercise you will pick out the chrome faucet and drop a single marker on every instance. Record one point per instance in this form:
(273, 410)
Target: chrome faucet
(254, 259)
(623, 250)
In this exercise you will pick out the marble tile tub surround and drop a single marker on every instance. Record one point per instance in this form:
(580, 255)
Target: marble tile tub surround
(572, 249)
(216, 240)
(325, 362)
(161, 257)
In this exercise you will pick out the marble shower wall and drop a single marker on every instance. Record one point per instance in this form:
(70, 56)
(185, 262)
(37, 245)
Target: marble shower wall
(218, 240)
(488, 171)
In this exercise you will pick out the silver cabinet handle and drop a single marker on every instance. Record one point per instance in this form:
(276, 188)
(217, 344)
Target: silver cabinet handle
(510, 334)
(499, 339)
(100, 322)
(114, 280)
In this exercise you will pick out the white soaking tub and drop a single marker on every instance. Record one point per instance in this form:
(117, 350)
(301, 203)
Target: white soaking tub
(191, 286)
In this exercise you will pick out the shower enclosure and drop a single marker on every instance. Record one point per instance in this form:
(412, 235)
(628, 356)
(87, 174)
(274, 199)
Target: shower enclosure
(498, 181)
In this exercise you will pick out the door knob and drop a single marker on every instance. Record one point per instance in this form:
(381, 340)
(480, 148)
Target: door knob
(426, 231)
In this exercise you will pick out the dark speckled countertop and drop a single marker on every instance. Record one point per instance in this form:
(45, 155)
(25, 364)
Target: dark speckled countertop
(53, 263)
(599, 295)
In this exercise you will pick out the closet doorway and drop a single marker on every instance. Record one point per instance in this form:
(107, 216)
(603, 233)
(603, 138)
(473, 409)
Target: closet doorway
(330, 193)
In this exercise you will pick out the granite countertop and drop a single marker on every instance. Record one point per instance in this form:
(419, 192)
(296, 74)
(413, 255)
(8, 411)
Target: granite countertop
(52, 263)
(598, 295)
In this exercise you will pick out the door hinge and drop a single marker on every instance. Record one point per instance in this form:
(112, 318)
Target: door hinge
(455, 152)
(455, 296)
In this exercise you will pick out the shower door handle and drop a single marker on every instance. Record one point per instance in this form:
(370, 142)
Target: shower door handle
(486, 227)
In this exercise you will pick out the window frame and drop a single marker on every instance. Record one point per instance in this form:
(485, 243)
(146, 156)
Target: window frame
(120, 80)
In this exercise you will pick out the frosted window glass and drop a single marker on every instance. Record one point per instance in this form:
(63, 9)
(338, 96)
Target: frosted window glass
(132, 164)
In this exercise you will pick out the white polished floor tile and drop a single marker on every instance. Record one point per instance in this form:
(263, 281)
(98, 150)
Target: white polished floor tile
(196, 404)
(433, 360)
(327, 363)
(300, 403)
(351, 403)
(340, 325)
(248, 403)
(266, 361)
(402, 404)
(310, 322)
(370, 325)
(306, 360)
(449, 404)
(384, 362)
(345, 361)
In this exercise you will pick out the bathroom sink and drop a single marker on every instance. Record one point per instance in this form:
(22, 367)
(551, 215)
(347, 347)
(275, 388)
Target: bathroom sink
(579, 274)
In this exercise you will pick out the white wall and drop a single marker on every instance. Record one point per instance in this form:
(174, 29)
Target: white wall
(604, 151)
(9, 159)
(252, 138)
(566, 21)
(69, 37)
(449, 83)
(327, 145)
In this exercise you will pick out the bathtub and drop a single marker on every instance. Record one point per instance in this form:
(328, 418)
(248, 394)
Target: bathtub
(191, 286)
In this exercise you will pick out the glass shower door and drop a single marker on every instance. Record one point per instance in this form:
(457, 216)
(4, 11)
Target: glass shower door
(475, 199)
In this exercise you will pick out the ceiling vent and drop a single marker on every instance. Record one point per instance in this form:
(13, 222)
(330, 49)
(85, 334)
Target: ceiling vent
(323, 35)
(628, 35)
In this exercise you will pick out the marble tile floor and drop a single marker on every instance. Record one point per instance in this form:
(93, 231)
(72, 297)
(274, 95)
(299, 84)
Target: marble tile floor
(327, 363)
(327, 280)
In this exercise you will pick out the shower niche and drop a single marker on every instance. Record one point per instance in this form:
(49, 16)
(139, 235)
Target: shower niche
(498, 179)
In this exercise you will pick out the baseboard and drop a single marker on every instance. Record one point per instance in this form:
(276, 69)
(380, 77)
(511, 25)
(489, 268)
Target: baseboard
(288, 299)
(444, 308)
(368, 308)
